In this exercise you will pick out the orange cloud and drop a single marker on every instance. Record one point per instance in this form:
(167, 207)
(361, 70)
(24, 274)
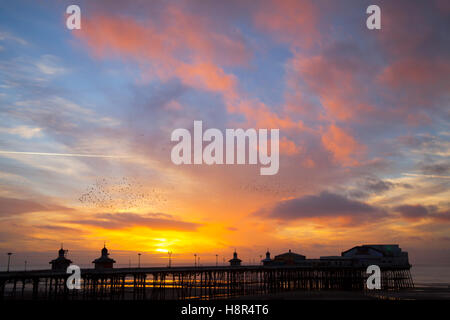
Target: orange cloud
(334, 80)
(107, 36)
(126, 220)
(182, 46)
(415, 72)
(258, 114)
(158, 51)
(288, 147)
(185, 47)
(14, 207)
(342, 145)
(206, 76)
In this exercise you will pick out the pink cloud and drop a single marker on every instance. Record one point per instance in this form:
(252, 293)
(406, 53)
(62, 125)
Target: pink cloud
(336, 83)
(291, 21)
(182, 46)
(344, 148)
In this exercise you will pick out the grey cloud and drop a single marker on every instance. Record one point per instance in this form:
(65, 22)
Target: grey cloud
(419, 211)
(124, 220)
(412, 211)
(12, 206)
(373, 185)
(325, 204)
(439, 168)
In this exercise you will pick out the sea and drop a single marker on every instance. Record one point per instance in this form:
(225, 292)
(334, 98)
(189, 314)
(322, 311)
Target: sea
(431, 275)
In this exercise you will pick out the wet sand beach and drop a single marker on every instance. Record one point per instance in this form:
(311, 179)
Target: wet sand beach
(421, 293)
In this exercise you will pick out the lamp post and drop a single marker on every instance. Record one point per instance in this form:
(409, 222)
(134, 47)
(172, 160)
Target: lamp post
(9, 259)
(25, 265)
(139, 260)
(195, 260)
(217, 260)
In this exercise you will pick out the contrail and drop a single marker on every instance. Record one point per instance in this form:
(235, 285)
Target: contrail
(62, 154)
(426, 175)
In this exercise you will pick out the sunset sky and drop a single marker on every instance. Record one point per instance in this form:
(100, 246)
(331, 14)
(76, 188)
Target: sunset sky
(86, 117)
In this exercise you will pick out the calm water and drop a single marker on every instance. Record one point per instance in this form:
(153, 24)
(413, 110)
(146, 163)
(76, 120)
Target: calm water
(428, 275)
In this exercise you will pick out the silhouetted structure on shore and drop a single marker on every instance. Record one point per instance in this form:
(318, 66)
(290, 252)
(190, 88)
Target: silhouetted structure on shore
(287, 258)
(104, 262)
(389, 255)
(235, 261)
(267, 260)
(61, 262)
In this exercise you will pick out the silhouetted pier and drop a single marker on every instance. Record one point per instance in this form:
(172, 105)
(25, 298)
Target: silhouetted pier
(193, 282)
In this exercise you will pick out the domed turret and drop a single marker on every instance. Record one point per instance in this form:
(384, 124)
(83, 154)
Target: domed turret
(235, 261)
(61, 262)
(267, 260)
(104, 262)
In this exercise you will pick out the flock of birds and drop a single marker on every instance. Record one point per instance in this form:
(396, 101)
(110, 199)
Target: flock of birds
(128, 193)
(123, 193)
